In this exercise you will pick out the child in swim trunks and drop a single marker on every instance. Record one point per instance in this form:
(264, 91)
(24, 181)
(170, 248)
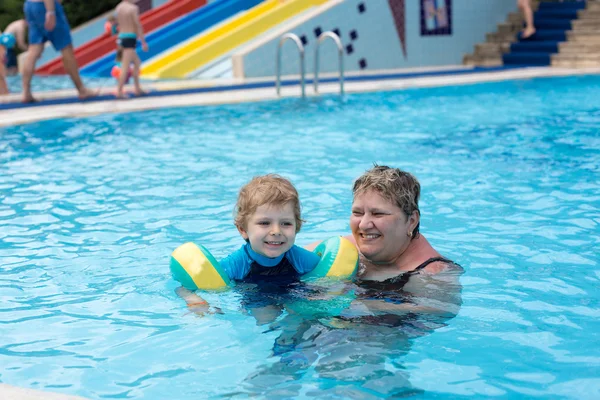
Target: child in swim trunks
(267, 215)
(130, 31)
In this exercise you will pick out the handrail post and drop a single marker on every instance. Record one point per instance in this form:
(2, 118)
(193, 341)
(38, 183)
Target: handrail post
(300, 46)
(338, 42)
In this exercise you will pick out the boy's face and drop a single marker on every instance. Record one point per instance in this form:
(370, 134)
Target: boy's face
(271, 230)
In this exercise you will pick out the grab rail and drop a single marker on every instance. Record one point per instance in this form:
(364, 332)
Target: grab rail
(338, 42)
(300, 46)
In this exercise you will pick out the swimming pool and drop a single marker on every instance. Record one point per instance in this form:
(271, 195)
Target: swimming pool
(91, 208)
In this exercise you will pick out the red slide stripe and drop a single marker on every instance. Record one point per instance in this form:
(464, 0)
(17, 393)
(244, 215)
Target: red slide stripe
(104, 44)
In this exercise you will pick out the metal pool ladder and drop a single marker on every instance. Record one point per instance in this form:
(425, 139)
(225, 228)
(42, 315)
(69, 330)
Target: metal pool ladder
(338, 42)
(300, 46)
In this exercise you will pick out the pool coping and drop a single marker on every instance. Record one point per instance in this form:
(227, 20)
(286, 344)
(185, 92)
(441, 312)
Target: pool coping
(64, 103)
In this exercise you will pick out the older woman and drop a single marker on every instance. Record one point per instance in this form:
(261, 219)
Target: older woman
(399, 270)
(385, 226)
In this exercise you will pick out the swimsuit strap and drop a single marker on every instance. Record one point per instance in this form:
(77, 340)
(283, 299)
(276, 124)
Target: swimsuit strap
(406, 276)
(426, 263)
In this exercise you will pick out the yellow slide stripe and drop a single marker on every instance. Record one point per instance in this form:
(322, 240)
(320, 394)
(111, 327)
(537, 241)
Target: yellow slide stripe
(186, 59)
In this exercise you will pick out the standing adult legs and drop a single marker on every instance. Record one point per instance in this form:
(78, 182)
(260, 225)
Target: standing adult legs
(34, 52)
(70, 63)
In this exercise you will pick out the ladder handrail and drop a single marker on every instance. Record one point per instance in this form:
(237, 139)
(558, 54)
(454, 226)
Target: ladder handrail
(300, 46)
(340, 46)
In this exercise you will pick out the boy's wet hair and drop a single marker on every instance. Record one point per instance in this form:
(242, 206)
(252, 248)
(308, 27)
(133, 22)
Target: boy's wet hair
(271, 189)
(397, 186)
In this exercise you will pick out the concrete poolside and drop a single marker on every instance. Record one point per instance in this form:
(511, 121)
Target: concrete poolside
(64, 104)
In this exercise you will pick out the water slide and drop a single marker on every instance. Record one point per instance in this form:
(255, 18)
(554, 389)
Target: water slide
(105, 43)
(187, 58)
(177, 32)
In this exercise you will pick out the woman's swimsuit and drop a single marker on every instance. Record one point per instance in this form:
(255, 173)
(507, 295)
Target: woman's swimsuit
(398, 282)
(391, 290)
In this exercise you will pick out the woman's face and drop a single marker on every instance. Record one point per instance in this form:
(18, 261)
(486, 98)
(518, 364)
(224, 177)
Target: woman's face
(380, 228)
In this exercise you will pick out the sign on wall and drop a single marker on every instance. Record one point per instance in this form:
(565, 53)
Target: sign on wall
(436, 17)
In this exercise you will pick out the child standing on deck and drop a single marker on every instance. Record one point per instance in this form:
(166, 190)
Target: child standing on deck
(130, 31)
(267, 215)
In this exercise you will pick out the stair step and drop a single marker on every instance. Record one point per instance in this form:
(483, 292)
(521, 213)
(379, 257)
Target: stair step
(593, 6)
(555, 14)
(494, 49)
(548, 23)
(515, 18)
(588, 14)
(482, 61)
(577, 57)
(548, 46)
(579, 5)
(524, 58)
(547, 34)
(495, 37)
(579, 47)
(587, 30)
(575, 64)
(583, 38)
(505, 28)
(585, 23)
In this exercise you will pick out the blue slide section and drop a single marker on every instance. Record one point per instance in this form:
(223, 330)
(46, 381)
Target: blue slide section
(176, 32)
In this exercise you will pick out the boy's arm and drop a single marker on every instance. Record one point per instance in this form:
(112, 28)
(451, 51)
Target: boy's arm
(140, 30)
(302, 259)
(236, 265)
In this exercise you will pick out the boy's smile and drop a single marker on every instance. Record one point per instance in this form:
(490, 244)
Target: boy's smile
(271, 230)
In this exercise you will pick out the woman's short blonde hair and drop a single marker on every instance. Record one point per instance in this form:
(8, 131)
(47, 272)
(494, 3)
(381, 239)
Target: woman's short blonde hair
(271, 189)
(397, 186)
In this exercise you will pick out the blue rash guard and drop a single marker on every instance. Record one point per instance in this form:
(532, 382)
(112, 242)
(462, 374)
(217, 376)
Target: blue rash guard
(270, 279)
(245, 264)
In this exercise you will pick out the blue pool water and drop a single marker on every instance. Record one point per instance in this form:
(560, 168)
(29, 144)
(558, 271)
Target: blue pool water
(90, 210)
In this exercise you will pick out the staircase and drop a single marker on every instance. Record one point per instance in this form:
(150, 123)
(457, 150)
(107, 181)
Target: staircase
(555, 22)
(582, 48)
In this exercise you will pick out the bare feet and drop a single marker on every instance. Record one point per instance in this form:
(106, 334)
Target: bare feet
(527, 33)
(88, 93)
(121, 95)
(140, 92)
(29, 99)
